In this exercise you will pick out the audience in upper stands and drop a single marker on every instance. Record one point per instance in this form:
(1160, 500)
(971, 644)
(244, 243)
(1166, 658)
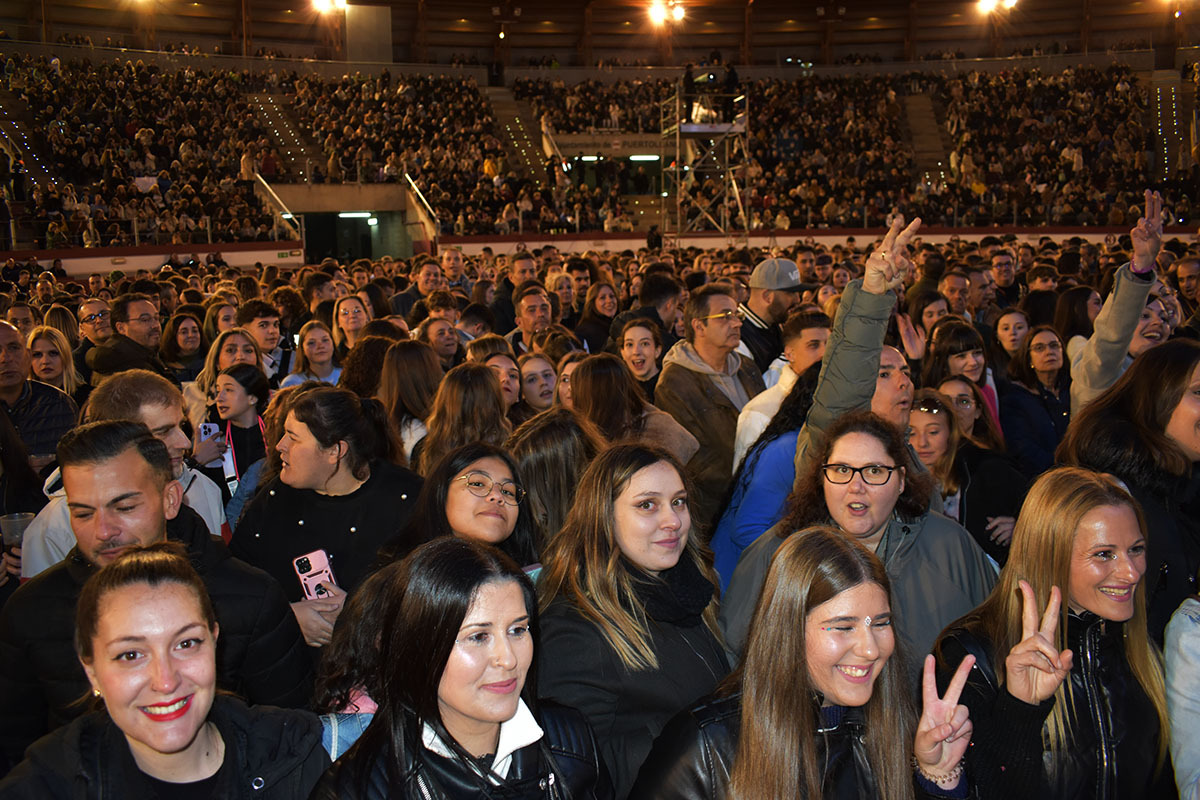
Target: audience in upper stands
(569, 429)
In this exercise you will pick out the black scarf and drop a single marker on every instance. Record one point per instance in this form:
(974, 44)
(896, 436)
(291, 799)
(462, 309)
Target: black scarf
(678, 596)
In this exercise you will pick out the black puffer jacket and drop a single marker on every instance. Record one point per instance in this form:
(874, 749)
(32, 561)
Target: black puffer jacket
(277, 756)
(694, 755)
(564, 764)
(260, 654)
(1113, 745)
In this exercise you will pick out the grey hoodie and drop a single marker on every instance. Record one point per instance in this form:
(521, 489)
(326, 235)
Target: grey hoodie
(684, 354)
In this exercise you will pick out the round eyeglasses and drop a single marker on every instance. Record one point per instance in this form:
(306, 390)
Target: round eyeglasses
(480, 484)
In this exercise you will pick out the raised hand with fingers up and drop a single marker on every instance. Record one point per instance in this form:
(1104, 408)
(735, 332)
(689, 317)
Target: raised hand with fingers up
(1147, 234)
(1035, 667)
(944, 730)
(888, 264)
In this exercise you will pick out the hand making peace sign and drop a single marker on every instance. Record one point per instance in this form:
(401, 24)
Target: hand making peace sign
(1034, 667)
(944, 730)
(887, 265)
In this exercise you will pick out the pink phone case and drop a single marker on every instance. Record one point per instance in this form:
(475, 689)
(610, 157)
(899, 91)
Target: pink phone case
(312, 569)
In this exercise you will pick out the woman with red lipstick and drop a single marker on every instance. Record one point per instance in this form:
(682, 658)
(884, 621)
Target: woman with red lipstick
(629, 633)
(1068, 695)
(147, 637)
(462, 720)
(819, 706)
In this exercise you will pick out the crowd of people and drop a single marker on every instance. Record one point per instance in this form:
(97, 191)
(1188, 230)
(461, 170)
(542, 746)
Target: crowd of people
(144, 154)
(1065, 155)
(892, 519)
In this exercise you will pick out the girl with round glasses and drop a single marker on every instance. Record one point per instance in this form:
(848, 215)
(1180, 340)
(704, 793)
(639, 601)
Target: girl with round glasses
(862, 482)
(473, 492)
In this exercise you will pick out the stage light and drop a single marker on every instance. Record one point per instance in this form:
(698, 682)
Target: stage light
(986, 6)
(340, 5)
(323, 6)
(677, 13)
(658, 13)
(1010, 4)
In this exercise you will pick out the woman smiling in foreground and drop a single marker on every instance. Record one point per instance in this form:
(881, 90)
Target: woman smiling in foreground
(147, 637)
(1068, 697)
(819, 707)
(457, 718)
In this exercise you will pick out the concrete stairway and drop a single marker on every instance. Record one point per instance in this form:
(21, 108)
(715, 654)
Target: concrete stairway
(521, 136)
(929, 145)
(25, 136)
(1170, 118)
(297, 150)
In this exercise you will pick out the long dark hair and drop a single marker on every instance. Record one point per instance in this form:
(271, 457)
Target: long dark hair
(777, 753)
(553, 449)
(1123, 431)
(428, 520)
(1071, 314)
(427, 602)
(604, 391)
(351, 661)
(338, 415)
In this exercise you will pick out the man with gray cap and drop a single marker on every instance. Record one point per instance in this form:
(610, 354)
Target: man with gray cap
(775, 287)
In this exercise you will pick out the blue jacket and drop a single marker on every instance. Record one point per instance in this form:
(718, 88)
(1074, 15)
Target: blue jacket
(757, 503)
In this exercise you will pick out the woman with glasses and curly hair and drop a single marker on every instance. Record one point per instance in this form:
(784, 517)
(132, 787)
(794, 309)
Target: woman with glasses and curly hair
(863, 482)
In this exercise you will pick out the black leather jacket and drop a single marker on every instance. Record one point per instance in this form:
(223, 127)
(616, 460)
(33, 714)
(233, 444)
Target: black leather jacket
(693, 756)
(564, 765)
(1112, 749)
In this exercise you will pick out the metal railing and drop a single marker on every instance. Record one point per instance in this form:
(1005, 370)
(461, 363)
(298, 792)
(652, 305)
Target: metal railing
(425, 212)
(283, 217)
(57, 233)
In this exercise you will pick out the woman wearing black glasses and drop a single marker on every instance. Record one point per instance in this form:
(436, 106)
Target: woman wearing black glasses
(863, 483)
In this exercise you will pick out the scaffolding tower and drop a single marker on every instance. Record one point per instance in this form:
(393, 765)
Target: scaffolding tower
(705, 152)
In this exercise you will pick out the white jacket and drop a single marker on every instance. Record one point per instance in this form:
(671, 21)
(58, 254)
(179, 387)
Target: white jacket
(49, 537)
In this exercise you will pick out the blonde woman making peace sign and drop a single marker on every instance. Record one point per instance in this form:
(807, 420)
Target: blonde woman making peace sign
(1067, 697)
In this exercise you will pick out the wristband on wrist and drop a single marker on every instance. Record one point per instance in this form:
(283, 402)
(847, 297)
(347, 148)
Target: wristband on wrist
(940, 780)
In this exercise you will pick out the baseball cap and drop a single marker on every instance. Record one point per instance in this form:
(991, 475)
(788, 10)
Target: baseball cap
(779, 274)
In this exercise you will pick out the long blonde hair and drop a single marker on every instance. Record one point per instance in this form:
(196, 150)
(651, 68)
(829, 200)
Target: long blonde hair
(1042, 543)
(70, 378)
(583, 563)
(777, 753)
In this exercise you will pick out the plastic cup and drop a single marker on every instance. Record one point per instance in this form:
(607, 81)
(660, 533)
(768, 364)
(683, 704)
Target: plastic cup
(13, 527)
